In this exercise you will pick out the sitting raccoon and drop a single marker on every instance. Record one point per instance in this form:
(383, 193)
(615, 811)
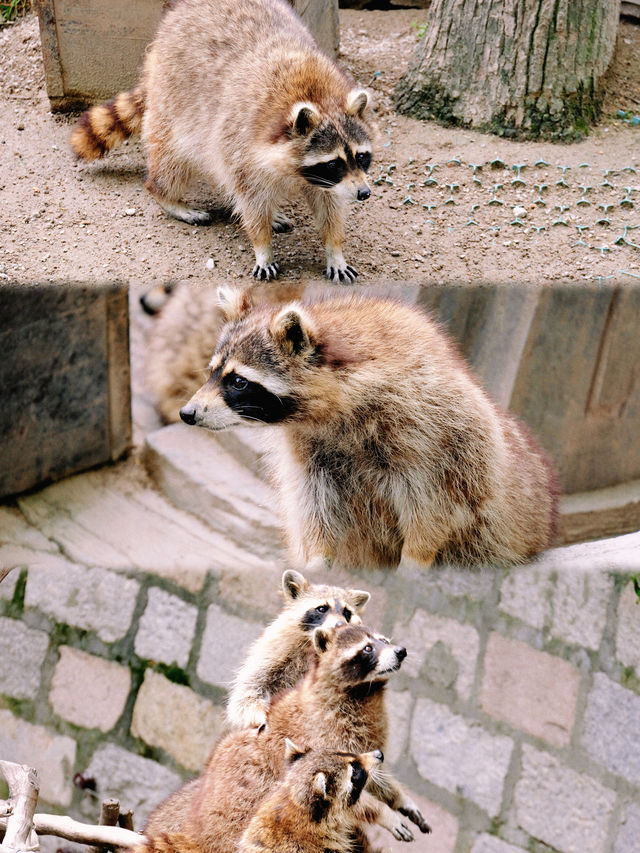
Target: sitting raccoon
(279, 657)
(238, 94)
(382, 444)
(316, 806)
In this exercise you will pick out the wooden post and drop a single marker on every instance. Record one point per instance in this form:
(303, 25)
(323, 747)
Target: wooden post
(23, 797)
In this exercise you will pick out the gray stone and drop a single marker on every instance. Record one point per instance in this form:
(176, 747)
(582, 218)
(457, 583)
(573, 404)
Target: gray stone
(490, 844)
(224, 645)
(580, 603)
(567, 810)
(599, 513)
(611, 726)
(52, 755)
(526, 594)
(22, 653)
(166, 629)
(93, 599)
(8, 584)
(628, 633)
(628, 837)
(398, 706)
(459, 755)
(618, 554)
(139, 783)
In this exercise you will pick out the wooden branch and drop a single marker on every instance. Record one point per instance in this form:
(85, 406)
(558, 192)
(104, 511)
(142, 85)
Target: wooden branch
(23, 797)
(73, 830)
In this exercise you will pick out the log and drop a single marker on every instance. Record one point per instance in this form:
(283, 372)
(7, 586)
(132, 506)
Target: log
(23, 797)
(65, 827)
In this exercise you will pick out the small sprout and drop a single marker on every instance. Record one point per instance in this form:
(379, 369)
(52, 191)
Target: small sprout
(541, 162)
(455, 161)
(408, 200)
(497, 164)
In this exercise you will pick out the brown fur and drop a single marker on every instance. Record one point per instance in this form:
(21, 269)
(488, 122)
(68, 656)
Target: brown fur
(235, 92)
(279, 657)
(390, 448)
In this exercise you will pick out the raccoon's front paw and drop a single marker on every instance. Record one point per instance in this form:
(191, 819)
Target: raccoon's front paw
(415, 816)
(280, 224)
(266, 272)
(401, 831)
(343, 272)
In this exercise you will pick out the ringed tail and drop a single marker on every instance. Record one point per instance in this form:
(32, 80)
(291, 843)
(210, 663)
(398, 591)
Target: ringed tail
(107, 125)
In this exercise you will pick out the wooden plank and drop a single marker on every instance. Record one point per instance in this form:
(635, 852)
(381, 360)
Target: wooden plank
(63, 355)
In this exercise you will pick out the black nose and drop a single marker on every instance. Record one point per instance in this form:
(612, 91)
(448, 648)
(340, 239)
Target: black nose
(401, 653)
(188, 414)
(363, 193)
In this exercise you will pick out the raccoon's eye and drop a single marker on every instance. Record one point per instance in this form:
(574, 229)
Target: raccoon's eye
(239, 383)
(363, 159)
(347, 614)
(322, 608)
(368, 649)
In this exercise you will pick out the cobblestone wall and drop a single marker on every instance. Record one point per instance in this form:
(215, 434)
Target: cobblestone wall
(515, 717)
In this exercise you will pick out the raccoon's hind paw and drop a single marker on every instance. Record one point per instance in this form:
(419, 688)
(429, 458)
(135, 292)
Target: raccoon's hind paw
(341, 273)
(281, 225)
(415, 816)
(267, 272)
(190, 215)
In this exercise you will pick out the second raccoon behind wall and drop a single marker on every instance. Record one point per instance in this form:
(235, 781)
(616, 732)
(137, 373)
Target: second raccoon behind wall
(236, 92)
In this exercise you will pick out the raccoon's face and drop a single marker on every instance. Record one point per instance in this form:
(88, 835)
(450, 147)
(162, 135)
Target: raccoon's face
(251, 369)
(323, 781)
(357, 655)
(336, 151)
(322, 606)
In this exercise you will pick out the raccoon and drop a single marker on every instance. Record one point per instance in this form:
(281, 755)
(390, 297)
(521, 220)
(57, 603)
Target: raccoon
(382, 445)
(238, 94)
(314, 808)
(338, 705)
(279, 658)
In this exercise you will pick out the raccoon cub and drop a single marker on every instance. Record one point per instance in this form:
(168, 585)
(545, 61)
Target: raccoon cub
(383, 444)
(279, 657)
(314, 807)
(238, 94)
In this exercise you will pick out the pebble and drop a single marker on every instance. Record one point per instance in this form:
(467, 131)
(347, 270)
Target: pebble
(210, 264)
(520, 211)
(130, 211)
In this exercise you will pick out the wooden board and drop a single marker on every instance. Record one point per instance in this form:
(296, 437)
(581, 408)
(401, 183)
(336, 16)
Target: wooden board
(64, 371)
(93, 49)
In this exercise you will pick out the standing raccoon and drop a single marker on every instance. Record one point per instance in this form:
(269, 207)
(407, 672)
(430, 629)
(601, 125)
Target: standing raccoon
(279, 657)
(238, 94)
(383, 446)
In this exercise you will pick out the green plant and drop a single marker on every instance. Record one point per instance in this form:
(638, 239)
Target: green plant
(12, 9)
(418, 29)
(636, 584)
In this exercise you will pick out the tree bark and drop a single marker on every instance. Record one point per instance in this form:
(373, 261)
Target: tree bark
(519, 68)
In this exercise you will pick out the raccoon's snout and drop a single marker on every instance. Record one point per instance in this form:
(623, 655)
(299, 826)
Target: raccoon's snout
(188, 414)
(401, 653)
(363, 193)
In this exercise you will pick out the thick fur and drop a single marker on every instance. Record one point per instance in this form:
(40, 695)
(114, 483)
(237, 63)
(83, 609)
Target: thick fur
(339, 705)
(238, 94)
(383, 445)
(316, 806)
(280, 656)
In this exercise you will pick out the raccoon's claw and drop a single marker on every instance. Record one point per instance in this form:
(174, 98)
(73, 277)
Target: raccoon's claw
(402, 832)
(345, 273)
(415, 816)
(265, 273)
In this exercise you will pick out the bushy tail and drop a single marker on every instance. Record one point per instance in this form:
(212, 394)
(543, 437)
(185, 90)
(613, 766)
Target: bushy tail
(103, 127)
(167, 842)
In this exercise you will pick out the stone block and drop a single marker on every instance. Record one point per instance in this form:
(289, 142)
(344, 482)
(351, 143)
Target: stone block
(22, 653)
(442, 839)
(628, 835)
(166, 629)
(568, 811)
(225, 641)
(611, 726)
(617, 554)
(490, 844)
(8, 584)
(92, 599)
(139, 783)
(526, 594)
(398, 706)
(52, 755)
(459, 755)
(174, 718)
(599, 513)
(533, 691)
(628, 632)
(580, 600)
(89, 691)
(442, 651)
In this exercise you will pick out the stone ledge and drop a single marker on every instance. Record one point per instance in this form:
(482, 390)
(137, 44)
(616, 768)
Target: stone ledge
(602, 512)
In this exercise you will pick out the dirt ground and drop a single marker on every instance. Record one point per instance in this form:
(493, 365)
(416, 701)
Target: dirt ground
(579, 204)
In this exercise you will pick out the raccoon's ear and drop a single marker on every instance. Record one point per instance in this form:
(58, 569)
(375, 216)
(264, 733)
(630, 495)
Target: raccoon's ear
(293, 331)
(293, 584)
(357, 102)
(321, 640)
(320, 785)
(292, 752)
(234, 302)
(303, 118)
(358, 597)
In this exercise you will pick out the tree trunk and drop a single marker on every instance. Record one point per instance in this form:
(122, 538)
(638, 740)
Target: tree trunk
(518, 68)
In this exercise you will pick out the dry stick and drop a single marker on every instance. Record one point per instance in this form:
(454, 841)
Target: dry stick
(23, 797)
(73, 830)
(126, 819)
(109, 814)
